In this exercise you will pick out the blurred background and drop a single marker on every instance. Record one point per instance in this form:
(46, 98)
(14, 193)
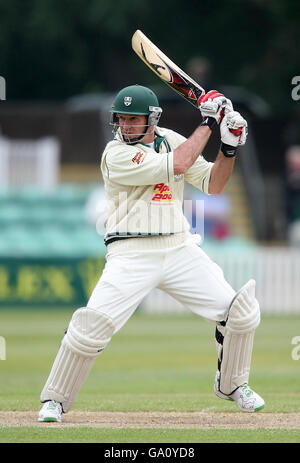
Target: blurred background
(61, 64)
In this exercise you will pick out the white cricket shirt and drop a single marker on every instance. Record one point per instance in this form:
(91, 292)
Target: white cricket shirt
(144, 196)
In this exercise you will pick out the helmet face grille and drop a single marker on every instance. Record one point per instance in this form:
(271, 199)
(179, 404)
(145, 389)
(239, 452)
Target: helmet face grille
(139, 101)
(118, 134)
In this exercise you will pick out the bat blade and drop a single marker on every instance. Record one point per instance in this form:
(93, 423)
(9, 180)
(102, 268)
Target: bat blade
(165, 69)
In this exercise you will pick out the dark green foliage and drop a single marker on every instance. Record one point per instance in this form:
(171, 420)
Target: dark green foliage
(53, 49)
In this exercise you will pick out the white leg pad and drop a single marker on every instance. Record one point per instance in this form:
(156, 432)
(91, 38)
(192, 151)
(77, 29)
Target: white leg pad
(88, 333)
(237, 339)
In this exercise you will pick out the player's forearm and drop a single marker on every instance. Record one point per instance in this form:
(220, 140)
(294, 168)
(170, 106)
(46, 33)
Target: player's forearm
(186, 154)
(220, 173)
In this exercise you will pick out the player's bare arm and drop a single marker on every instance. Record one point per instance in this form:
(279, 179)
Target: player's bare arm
(220, 173)
(233, 129)
(186, 154)
(212, 109)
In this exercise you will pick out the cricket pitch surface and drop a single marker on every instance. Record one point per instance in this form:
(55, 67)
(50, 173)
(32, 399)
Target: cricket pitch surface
(172, 420)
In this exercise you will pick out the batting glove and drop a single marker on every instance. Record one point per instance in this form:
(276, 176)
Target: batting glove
(234, 131)
(213, 106)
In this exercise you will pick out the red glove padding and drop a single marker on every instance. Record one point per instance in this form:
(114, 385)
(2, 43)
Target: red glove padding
(237, 132)
(212, 94)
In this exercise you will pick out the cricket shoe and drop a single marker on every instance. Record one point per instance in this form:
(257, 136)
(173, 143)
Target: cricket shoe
(246, 399)
(50, 411)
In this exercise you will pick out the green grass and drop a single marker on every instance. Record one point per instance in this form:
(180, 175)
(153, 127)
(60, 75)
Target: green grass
(144, 436)
(155, 363)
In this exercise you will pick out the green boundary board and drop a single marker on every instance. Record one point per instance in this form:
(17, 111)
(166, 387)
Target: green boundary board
(48, 281)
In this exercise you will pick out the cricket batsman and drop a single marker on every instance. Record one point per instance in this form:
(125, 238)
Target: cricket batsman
(149, 245)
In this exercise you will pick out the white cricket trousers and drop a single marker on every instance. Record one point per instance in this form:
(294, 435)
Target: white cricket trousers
(185, 272)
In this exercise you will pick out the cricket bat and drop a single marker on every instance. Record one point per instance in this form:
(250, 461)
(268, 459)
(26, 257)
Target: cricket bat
(165, 69)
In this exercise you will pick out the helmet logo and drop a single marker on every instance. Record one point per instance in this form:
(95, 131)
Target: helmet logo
(127, 100)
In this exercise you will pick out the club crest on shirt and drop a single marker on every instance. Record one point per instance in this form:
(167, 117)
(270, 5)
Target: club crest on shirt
(138, 158)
